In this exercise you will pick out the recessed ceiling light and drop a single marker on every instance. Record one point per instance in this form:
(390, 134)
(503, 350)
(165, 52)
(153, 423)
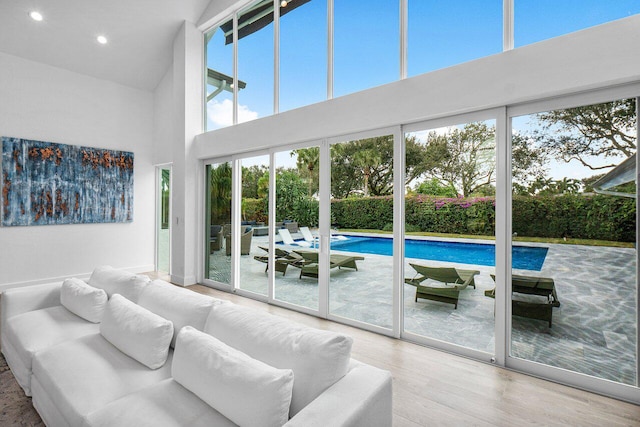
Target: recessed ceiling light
(35, 15)
(102, 39)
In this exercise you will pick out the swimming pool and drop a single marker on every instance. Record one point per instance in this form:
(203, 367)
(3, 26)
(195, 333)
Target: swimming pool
(523, 257)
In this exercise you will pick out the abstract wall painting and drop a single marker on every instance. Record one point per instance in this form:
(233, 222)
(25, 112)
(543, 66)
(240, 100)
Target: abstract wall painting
(48, 183)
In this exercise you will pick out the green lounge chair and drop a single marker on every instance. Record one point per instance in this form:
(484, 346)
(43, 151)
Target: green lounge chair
(458, 278)
(530, 285)
(310, 268)
(283, 259)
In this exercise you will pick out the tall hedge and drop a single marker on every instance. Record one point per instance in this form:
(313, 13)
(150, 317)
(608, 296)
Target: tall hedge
(578, 216)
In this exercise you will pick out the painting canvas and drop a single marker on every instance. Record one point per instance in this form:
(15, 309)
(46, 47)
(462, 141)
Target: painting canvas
(49, 183)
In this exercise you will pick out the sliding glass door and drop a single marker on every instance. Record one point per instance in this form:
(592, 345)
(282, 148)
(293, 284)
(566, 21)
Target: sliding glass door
(574, 305)
(254, 219)
(218, 185)
(361, 238)
(449, 246)
(163, 219)
(297, 174)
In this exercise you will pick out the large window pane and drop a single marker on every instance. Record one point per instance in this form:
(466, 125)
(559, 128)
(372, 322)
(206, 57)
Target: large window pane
(537, 20)
(217, 263)
(441, 34)
(366, 44)
(303, 55)
(450, 229)
(361, 254)
(254, 230)
(219, 77)
(297, 208)
(575, 205)
(255, 61)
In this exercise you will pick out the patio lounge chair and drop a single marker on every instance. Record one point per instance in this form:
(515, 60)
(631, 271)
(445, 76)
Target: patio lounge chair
(283, 259)
(310, 268)
(245, 241)
(530, 285)
(459, 278)
(308, 237)
(288, 240)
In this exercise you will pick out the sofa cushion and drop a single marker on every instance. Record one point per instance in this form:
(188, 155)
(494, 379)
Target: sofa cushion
(318, 358)
(247, 391)
(85, 374)
(83, 300)
(181, 306)
(166, 404)
(121, 282)
(136, 331)
(33, 331)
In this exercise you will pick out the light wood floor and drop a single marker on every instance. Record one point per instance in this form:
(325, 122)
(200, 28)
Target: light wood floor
(431, 387)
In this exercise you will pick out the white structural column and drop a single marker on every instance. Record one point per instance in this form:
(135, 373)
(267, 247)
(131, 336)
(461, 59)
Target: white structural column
(187, 111)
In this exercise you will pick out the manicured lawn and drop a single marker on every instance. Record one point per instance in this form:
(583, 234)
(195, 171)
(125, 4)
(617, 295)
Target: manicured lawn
(561, 241)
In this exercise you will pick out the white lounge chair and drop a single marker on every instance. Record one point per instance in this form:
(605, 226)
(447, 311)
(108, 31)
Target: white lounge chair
(308, 237)
(288, 240)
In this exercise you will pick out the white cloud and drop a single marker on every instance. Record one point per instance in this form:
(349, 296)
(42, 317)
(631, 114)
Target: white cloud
(220, 113)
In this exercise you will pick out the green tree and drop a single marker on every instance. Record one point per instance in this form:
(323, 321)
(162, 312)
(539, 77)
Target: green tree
(290, 188)
(308, 164)
(365, 166)
(463, 158)
(434, 187)
(220, 193)
(606, 130)
(250, 178)
(367, 160)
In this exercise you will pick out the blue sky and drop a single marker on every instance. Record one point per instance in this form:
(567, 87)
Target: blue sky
(441, 33)
(366, 51)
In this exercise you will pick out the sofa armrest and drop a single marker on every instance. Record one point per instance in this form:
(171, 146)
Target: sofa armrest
(21, 300)
(362, 398)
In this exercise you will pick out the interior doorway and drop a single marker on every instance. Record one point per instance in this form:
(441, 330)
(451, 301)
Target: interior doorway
(163, 219)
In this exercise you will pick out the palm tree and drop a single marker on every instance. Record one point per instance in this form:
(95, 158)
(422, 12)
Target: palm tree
(308, 163)
(220, 193)
(368, 160)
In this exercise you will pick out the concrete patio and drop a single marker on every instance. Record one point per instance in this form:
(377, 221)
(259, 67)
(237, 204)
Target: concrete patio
(593, 330)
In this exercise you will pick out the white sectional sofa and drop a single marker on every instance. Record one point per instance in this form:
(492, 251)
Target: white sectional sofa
(122, 350)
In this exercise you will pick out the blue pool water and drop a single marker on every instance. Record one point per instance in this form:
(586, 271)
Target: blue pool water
(523, 257)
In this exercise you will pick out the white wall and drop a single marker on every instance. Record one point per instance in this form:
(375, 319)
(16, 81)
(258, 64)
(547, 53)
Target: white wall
(163, 120)
(597, 57)
(50, 104)
(187, 118)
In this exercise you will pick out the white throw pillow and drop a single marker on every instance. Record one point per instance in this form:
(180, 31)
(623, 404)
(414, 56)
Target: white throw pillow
(83, 300)
(318, 358)
(246, 391)
(182, 306)
(136, 331)
(121, 282)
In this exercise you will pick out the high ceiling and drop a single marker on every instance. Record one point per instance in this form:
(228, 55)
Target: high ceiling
(140, 34)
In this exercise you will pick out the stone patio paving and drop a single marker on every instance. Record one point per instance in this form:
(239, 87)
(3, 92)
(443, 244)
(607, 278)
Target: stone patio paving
(593, 331)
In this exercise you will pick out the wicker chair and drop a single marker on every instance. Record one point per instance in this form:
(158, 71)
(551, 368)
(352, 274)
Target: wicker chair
(245, 241)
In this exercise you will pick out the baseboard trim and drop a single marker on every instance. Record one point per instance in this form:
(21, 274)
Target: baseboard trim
(183, 280)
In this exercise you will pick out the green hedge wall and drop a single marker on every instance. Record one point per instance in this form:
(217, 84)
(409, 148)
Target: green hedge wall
(577, 216)
(596, 217)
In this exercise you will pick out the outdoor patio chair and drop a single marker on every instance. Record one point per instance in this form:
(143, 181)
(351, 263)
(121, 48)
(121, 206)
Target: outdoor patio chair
(458, 278)
(215, 238)
(292, 226)
(245, 241)
(288, 240)
(531, 285)
(283, 259)
(310, 268)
